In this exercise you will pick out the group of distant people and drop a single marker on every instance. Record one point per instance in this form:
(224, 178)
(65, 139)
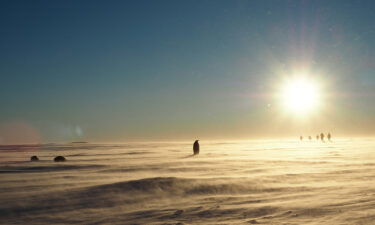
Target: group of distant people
(321, 137)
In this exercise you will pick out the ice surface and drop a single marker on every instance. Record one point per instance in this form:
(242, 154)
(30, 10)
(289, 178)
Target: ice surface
(237, 182)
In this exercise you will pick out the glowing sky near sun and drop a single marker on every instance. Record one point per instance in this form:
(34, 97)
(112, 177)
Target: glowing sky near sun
(301, 96)
(142, 70)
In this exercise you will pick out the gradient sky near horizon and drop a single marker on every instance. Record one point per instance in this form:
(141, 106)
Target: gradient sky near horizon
(172, 70)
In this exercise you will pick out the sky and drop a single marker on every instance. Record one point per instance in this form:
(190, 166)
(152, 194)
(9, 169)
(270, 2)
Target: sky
(114, 71)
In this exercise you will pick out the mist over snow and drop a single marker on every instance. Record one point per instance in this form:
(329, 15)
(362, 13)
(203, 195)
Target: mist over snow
(265, 182)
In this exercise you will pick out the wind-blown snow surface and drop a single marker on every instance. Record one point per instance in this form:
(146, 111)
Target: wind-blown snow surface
(265, 182)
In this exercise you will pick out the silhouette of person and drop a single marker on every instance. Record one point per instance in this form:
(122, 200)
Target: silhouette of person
(196, 147)
(310, 138)
(301, 138)
(322, 136)
(329, 136)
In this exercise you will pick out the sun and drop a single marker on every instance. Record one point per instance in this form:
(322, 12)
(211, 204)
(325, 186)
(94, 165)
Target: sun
(300, 95)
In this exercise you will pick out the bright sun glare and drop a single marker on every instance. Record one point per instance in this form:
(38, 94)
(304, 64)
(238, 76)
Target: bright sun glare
(300, 95)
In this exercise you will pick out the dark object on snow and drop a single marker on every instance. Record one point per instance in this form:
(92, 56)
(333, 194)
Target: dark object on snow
(59, 159)
(322, 136)
(310, 138)
(196, 147)
(301, 138)
(34, 158)
(329, 136)
(178, 212)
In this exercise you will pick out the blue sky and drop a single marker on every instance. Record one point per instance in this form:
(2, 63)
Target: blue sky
(150, 70)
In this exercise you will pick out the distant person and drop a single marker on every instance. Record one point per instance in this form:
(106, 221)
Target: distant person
(196, 147)
(322, 136)
(310, 138)
(301, 138)
(329, 136)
